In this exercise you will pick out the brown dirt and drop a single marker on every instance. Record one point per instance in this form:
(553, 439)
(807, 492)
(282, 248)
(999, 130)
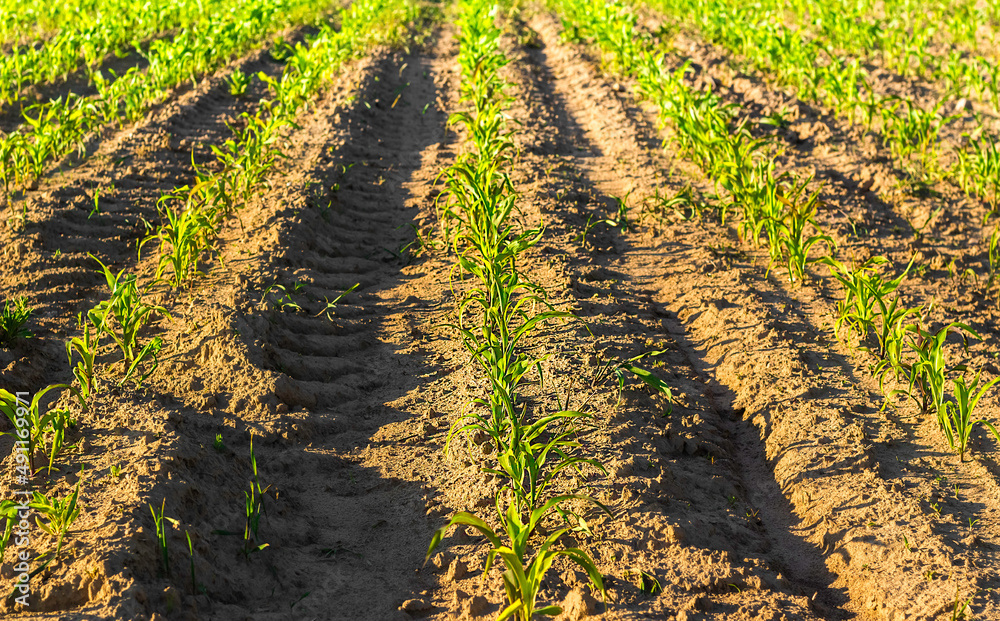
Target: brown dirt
(771, 488)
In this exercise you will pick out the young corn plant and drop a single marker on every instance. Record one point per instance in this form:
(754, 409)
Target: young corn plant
(185, 234)
(959, 416)
(15, 314)
(238, 82)
(59, 516)
(123, 315)
(160, 521)
(85, 347)
(890, 329)
(914, 133)
(993, 257)
(795, 242)
(9, 515)
(977, 171)
(536, 454)
(35, 428)
(928, 373)
(863, 287)
(525, 565)
(254, 509)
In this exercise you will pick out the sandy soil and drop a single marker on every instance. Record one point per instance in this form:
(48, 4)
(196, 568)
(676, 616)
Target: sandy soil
(772, 487)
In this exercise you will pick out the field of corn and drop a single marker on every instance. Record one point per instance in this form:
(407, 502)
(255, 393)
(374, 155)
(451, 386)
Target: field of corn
(500, 309)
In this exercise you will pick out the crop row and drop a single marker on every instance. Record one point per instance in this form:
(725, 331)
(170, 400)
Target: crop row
(776, 209)
(87, 46)
(62, 126)
(495, 316)
(118, 322)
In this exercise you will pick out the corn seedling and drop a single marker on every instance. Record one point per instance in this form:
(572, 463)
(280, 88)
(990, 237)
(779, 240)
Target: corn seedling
(891, 329)
(32, 428)
(993, 256)
(793, 238)
(59, 515)
(238, 82)
(254, 509)
(535, 455)
(9, 513)
(525, 566)
(959, 608)
(683, 202)
(185, 233)
(54, 425)
(959, 414)
(928, 372)
(778, 118)
(645, 581)
(863, 287)
(282, 300)
(918, 231)
(914, 132)
(160, 521)
(149, 352)
(85, 348)
(128, 312)
(977, 171)
(12, 319)
(194, 579)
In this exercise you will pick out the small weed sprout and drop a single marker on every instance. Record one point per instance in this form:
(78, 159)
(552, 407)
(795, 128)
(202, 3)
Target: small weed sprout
(331, 305)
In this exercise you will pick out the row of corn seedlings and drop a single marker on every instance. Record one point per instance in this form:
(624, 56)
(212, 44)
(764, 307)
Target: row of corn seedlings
(191, 215)
(500, 310)
(905, 353)
(37, 428)
(62, 126)
(780, 208)
(912, 133)
(87, 45)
